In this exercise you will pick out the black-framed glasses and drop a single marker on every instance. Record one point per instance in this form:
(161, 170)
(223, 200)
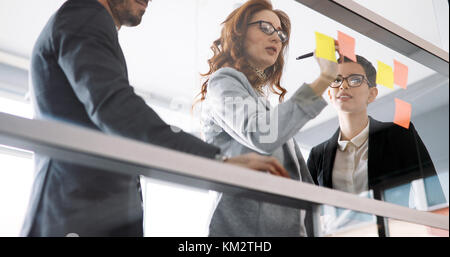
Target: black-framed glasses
(353, 80)
(269, 29)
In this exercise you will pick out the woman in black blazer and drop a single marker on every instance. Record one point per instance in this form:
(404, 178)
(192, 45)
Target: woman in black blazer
(393, 155)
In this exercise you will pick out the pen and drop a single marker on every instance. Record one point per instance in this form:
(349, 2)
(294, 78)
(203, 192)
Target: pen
(305, 56)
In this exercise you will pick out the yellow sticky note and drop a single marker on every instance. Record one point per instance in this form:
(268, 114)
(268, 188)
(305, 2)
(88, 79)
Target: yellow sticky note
(385, 75)
(325, 47)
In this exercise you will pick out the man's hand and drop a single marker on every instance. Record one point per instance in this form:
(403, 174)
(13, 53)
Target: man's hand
(258, 162)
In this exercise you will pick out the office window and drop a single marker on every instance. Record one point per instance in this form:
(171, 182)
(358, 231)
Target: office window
(16, 175)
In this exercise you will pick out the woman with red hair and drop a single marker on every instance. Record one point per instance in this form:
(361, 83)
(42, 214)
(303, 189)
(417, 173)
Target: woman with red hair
(236, 116)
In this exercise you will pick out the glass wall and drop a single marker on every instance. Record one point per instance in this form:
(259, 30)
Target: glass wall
(165, 56)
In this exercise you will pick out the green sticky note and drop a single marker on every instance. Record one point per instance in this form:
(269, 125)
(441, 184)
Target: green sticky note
(325, 47)
(385, 75)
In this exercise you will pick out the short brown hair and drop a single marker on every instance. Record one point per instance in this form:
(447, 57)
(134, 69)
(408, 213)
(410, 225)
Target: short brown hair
(369, 69)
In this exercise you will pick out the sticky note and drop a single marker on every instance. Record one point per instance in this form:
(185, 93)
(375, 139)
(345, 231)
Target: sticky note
(385, 75)
(400, 74)
(402, 115)
(325, 47)
(346, 46)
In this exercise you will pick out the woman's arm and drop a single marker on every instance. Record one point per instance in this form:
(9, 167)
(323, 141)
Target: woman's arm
(246, 118)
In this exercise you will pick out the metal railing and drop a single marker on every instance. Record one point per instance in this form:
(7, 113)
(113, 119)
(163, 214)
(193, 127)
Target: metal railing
(117, 154)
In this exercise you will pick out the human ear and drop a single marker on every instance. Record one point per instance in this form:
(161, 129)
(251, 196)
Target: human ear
(373, 92)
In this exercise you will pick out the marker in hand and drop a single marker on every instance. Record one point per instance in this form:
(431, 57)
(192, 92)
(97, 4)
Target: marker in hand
(336, 44)
(312, 53)
(305, 56)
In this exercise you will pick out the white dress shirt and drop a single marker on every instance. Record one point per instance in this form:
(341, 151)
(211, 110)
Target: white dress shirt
(350, 165)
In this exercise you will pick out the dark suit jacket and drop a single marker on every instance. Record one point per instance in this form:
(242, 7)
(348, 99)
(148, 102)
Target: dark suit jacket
(79, 75)
(396, 155)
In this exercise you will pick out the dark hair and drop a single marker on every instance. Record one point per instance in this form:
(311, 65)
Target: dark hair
(371, 72)
(229, 51)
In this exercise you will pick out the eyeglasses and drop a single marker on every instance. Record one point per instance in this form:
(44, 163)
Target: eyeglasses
(269, 29)
(354, 80)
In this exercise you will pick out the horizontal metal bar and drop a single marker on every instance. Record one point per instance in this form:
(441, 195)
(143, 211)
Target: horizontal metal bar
(381, 30)
(126, 156)
(11, 151)
(14, 60)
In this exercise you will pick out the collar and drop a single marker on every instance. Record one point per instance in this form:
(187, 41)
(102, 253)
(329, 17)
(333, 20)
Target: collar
(358, 140)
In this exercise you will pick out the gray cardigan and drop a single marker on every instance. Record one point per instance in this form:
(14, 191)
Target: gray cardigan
(236, 118)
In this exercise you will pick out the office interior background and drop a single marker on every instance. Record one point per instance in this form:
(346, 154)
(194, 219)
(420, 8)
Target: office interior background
(165, 56)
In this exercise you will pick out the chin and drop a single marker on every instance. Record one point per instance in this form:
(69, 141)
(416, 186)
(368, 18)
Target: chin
(268, 64)
(136, 20)
(343, 108)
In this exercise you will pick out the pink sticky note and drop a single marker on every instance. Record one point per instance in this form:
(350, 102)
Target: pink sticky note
(402, 115)
(400, 74)
(346, 45)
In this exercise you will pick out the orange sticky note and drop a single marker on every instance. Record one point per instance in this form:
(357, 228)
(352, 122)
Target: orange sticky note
(346, 46)
(325, 47)
(400, 74)
(402, 115)
(385, 75)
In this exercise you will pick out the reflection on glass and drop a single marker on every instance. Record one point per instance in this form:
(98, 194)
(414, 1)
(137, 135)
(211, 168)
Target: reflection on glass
(399, 195)
(434, 193)
(336, 222)
(422, 194)
(405, 229)
(429, 98)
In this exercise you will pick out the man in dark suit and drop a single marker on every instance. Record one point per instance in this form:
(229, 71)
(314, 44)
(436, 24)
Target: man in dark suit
(79, 75)
(365, 153)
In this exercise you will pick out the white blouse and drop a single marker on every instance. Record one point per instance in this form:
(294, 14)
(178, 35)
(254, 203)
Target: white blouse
(350, 166)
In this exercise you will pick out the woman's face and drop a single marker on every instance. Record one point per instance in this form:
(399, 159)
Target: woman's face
(352, 99)
(262, 50)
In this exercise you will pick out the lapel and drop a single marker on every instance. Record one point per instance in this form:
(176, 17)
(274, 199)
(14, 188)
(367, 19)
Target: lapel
(328, 159)
(122, 59)
(376, 145)
(291, 149)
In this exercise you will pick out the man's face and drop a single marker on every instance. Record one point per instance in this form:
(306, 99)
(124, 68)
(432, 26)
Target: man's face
(128, 12)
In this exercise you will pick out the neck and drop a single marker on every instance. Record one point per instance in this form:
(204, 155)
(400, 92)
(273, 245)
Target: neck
(351, 124)
(259, 72)
(105, 4)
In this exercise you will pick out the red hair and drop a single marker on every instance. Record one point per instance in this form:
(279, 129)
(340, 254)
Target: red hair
(229, 49)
